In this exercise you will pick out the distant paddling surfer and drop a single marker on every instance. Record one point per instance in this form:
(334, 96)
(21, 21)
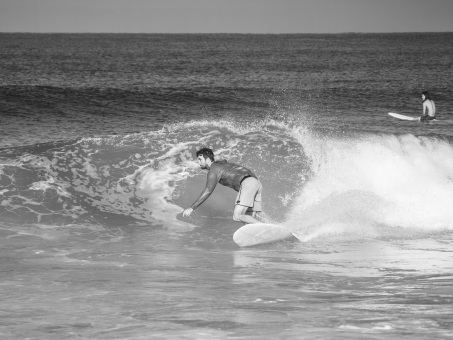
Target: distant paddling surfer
(429, 108)
(232, 175)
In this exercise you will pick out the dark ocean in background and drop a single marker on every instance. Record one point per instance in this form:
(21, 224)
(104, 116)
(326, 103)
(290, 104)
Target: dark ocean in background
(97, 140)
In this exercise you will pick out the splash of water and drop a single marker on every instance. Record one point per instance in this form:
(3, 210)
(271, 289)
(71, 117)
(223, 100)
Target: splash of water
(363, 184)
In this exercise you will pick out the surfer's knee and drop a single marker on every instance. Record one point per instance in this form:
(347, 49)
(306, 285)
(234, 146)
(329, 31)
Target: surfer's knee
(237, 216)
(238, 213)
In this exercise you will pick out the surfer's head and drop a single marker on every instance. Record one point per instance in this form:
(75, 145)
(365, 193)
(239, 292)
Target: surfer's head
(425, 95)
(205, 157)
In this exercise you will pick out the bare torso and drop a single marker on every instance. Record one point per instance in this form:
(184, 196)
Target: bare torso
(429, 108)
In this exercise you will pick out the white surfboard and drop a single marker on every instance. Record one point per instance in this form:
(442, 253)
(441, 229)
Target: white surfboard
(403, 117)
(260, 233)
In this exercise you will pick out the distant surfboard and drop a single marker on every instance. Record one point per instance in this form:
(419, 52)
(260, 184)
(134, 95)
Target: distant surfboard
(260, 233)
(403, 117)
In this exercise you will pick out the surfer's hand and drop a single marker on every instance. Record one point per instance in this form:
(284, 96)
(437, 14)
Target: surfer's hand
(187, 212)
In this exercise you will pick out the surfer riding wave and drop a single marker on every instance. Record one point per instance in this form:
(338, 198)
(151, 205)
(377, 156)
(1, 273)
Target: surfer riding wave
(235, 176)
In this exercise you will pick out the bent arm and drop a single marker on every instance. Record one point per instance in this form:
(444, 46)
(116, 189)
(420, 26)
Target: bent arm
(211, 182)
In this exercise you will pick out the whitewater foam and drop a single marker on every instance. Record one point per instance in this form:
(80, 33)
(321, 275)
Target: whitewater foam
(399, 181)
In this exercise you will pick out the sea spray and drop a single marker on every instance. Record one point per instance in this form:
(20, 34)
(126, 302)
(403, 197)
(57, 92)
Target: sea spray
(369, 181)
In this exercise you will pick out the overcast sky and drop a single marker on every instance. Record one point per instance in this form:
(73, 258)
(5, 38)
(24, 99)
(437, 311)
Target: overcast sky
(226, 16)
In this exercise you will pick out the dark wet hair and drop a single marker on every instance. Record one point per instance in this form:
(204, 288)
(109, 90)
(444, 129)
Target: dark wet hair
(426, 94)
(207, 153)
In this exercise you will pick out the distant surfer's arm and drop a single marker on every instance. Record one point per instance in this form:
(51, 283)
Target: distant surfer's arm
(211, 183)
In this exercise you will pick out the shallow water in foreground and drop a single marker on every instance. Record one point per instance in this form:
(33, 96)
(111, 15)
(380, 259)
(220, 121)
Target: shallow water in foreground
(139, 282)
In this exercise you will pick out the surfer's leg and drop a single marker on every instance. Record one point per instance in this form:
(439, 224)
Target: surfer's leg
(257, 200)
(245, 201)
(240, 215)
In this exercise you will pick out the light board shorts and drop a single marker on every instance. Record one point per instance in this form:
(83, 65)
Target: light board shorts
(249, 194)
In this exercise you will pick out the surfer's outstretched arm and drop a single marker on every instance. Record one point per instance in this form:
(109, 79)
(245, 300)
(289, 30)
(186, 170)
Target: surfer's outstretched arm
(211, 183)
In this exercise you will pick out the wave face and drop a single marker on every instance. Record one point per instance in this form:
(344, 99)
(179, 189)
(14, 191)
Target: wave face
(362, 185)
(140, 178)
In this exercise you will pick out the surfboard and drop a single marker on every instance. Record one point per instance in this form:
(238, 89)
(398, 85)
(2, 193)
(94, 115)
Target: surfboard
(260, 233)
(403, 117)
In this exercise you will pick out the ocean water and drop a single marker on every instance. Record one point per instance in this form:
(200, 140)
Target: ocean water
(97, 140)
